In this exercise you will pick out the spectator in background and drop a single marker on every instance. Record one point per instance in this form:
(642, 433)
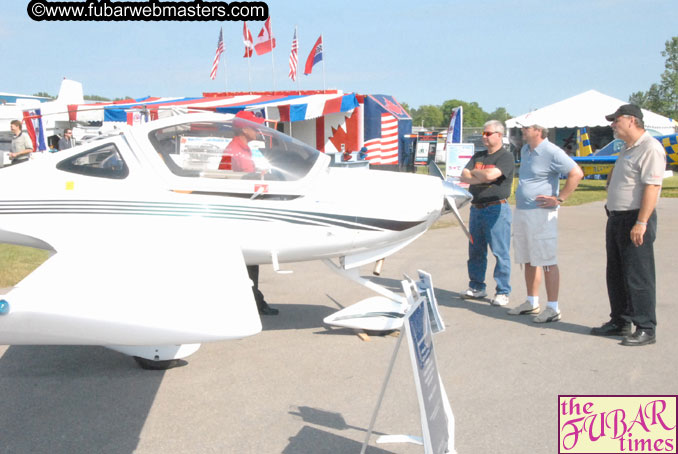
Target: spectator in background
(21, 146)
(535, 225)
(490, 176)
(634, 185)
(67, 140)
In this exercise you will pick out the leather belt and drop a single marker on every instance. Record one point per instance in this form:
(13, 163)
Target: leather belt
(488, 204)
(621, 213)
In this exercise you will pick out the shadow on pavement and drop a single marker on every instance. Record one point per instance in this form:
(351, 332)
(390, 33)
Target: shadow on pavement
(484, 308)
(68, 399)
(316, 441)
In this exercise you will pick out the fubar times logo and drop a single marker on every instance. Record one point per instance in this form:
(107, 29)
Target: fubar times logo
(617, 424)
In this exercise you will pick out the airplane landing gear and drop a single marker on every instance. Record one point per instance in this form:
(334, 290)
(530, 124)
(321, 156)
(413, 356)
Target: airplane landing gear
(149, 364)
(157, 357)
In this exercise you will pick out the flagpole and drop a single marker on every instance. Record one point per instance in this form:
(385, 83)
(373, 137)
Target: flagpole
(273, 68)
(324, 86)
(298, 62)
(248, 51)
(249, 74)
(270, 40)
(225, 69)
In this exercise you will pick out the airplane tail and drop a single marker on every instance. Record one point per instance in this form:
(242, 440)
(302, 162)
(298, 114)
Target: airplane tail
(670, 143)
(70, 92)
(583, 143)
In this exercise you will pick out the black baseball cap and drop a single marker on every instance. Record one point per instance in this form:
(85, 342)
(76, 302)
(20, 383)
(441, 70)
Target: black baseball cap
(626, 109)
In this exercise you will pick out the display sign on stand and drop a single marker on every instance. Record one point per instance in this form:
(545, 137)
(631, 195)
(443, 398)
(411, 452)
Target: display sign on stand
(458, 155)
(437, 419)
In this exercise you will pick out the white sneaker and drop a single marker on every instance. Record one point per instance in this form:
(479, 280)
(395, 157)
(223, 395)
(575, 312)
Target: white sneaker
(472, 293)
(500, 299)
(525, 308)
(547, 315)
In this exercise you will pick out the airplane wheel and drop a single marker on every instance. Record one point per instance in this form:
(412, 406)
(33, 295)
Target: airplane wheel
(149, 364)
(379, 332)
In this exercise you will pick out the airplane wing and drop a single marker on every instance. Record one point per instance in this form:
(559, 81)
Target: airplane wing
(134, 285)
(595, 165)
(670, 144)
(595, 160)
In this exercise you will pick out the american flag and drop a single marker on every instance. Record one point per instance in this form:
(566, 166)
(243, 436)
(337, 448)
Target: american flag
(293, 57)
(384, 149)
(247, 40)
(220, 50)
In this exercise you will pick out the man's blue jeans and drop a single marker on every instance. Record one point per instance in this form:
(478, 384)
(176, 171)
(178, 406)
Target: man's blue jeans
(490, 226)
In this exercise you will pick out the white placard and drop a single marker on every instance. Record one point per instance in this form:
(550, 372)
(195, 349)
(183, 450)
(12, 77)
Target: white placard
(458, 155)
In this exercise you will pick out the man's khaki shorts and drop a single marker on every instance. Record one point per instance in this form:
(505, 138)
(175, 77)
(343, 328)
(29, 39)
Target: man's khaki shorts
(535, 236)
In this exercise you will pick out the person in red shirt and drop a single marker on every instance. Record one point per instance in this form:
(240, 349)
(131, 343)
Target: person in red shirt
(237, 155)
(238, 158)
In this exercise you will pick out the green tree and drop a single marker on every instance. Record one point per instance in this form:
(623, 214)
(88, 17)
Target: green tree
(428, 116)
(439, 116)
(95, 98)
(500, 114)
(662, 98)
(42, 94)
(669, 81)
(651, 100)
(474, 115)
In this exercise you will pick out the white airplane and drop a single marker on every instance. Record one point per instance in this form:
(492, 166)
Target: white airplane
(150, 230)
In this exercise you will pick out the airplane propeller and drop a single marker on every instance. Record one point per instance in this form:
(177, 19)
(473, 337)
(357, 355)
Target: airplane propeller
(455, 196)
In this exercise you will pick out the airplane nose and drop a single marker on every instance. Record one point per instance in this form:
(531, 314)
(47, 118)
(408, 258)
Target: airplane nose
(456, 193)
(455, 198)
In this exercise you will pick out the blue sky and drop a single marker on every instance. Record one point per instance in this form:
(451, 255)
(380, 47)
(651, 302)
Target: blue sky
(520, 55)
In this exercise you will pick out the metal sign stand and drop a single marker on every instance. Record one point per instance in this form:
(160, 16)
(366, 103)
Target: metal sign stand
(437, 419)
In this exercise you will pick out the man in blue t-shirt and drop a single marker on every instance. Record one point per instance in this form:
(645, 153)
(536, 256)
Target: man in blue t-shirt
(490, 176)
(535, 226)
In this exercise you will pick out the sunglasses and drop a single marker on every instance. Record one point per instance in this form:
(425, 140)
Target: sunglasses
(488, 134)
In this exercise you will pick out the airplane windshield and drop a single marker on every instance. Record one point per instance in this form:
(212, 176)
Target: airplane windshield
(234, 149)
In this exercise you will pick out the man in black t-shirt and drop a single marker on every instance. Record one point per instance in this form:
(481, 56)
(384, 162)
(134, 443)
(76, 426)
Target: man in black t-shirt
(490, 176)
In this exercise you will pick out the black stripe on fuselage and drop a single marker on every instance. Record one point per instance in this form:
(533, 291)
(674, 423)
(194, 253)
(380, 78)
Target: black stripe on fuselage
(204, 210)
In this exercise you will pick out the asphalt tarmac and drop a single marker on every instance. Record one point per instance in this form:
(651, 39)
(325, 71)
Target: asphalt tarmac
(300, 387)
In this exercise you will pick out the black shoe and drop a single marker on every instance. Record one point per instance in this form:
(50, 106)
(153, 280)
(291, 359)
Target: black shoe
(265, 309)
(642, 336)
(613, 328)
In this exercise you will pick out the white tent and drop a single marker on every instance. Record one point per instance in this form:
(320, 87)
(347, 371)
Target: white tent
(586, 109)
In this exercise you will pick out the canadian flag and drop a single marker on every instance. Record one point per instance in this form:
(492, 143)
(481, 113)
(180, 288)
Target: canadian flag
(265, 42)
(247, 40)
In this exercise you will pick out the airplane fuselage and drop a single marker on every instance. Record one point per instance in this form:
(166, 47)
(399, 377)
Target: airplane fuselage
(149, 232)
